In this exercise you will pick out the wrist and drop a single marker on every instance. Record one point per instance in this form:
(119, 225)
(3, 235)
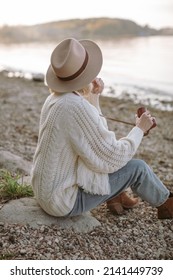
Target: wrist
(141, 128)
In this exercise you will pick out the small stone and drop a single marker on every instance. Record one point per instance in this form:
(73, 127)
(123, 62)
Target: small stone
(140, 255)
(22, 251)
(11, 239)
(56, 240)
(42, 228)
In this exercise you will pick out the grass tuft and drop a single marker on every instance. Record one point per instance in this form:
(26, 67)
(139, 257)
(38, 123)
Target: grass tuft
(7, 256)
(10, 188)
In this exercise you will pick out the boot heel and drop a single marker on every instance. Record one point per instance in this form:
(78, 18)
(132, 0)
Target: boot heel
(165, 211)
(115, 208)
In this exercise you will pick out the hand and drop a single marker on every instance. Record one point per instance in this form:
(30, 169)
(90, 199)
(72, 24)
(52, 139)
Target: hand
(98, 86)
(145, 122)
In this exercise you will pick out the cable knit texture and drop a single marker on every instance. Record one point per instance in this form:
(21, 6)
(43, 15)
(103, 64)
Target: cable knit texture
(75, 148)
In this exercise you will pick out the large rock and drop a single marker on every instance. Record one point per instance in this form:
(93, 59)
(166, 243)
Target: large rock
(14, 163)
(38, 77)
(27, 211)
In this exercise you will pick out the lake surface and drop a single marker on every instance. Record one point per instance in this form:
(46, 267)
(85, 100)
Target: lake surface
(138, 67)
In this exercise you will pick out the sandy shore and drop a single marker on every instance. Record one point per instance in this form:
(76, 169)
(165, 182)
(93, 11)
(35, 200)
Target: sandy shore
(21, 101)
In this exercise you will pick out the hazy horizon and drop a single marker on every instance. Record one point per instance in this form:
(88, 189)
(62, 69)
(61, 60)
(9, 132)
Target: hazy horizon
(87, 18)
(156, 13)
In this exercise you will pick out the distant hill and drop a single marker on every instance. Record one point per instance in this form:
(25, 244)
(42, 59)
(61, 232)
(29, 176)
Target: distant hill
(95, 28)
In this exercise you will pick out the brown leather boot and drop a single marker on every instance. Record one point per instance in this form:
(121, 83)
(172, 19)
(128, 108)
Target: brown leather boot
(117, 204)
(165, 211)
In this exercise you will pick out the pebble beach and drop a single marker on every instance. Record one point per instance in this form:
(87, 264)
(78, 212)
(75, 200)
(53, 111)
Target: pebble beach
(137, 234)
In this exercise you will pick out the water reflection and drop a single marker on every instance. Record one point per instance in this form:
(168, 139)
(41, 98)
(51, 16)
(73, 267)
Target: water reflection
(138, 67)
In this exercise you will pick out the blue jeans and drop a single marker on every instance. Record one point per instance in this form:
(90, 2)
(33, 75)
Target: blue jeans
(136, 174)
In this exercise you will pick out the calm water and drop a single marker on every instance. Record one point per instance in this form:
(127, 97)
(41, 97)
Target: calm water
(141, 67)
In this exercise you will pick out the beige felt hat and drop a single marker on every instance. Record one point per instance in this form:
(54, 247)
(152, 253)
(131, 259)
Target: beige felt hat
(74, 64)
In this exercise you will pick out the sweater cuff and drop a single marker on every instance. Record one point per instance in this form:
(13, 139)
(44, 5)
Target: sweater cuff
(136, 134)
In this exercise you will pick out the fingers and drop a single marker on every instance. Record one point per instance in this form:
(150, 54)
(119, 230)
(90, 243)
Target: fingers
(145, 122)
(98, 86)
(99, 82)
(147, 116)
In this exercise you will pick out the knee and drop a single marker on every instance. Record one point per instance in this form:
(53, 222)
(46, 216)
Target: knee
(138, 164)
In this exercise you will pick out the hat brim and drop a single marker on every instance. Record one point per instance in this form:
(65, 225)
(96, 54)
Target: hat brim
(91, 71)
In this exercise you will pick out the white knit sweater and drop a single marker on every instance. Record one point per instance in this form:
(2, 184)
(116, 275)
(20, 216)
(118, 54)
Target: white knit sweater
(75, 148)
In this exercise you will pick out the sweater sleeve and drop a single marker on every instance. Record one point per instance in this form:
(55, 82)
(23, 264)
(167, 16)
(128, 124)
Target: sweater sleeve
(96, 146)
(93, 99)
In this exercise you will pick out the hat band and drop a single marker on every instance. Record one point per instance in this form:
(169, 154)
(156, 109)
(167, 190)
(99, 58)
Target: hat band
(75, 75)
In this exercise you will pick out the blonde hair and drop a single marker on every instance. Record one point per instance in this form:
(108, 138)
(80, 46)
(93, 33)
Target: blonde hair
(86, 90)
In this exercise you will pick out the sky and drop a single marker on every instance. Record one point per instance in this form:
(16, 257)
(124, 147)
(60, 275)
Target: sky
(155, 13)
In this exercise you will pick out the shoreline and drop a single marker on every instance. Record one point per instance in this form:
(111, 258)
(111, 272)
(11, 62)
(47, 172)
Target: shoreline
(149, 96)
